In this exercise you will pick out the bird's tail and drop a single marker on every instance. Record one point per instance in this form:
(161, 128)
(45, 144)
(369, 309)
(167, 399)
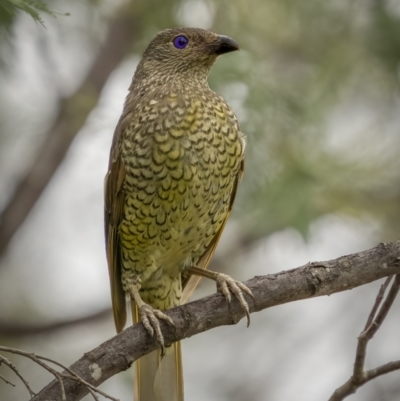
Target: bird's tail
(158, 378)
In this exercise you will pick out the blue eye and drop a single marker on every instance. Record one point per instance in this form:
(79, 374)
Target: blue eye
(180, 42)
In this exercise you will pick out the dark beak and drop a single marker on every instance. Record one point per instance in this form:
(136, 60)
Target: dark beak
(225, 44)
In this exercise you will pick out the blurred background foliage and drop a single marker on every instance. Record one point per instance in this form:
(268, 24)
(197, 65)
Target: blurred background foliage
(10, 8)
(316, 89)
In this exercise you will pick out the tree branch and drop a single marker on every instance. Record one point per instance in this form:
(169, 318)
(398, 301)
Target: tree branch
(311, 280)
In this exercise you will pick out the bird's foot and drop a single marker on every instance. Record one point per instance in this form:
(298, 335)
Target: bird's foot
(150, 318)
(227, 284)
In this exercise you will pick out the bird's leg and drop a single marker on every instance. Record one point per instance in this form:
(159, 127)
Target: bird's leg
(226, 285)
(149, 316)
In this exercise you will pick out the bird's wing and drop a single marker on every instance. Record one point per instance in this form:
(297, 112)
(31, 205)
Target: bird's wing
(190, 282)
(114, 206)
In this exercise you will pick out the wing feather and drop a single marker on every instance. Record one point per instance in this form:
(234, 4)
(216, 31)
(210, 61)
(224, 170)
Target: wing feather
(189, 283)
(114, 208)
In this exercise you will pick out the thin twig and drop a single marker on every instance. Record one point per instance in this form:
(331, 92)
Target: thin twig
(378, 301)
(382, 370)
(6, 381)
(59, 376)
(387, 304)
(15, 370)
(374, 322)
(358, 369)
(93, 394)
(60, 380)
(74, 375)
(89, 386)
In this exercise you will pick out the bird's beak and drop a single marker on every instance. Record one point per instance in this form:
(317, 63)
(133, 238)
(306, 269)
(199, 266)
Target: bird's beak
(224, 44)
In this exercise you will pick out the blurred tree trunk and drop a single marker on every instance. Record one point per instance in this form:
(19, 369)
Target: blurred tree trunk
(71, 117)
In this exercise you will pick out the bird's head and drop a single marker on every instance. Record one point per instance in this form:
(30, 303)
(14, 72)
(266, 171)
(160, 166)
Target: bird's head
(184, 53)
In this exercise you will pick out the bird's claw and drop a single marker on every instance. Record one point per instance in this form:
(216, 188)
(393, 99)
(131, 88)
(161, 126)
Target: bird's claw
(150, 318)
(227, 284)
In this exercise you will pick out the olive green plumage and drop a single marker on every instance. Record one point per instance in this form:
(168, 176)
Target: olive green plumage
(176, 158)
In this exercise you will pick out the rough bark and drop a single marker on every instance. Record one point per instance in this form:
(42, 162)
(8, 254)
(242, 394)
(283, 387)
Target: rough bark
(308, 281)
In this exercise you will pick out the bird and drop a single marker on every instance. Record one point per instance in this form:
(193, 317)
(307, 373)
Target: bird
(176, 159)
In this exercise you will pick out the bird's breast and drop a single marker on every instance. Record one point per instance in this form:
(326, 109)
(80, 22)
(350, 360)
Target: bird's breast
(180, 175)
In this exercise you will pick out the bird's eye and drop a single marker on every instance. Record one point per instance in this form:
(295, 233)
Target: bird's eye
(180, 42)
